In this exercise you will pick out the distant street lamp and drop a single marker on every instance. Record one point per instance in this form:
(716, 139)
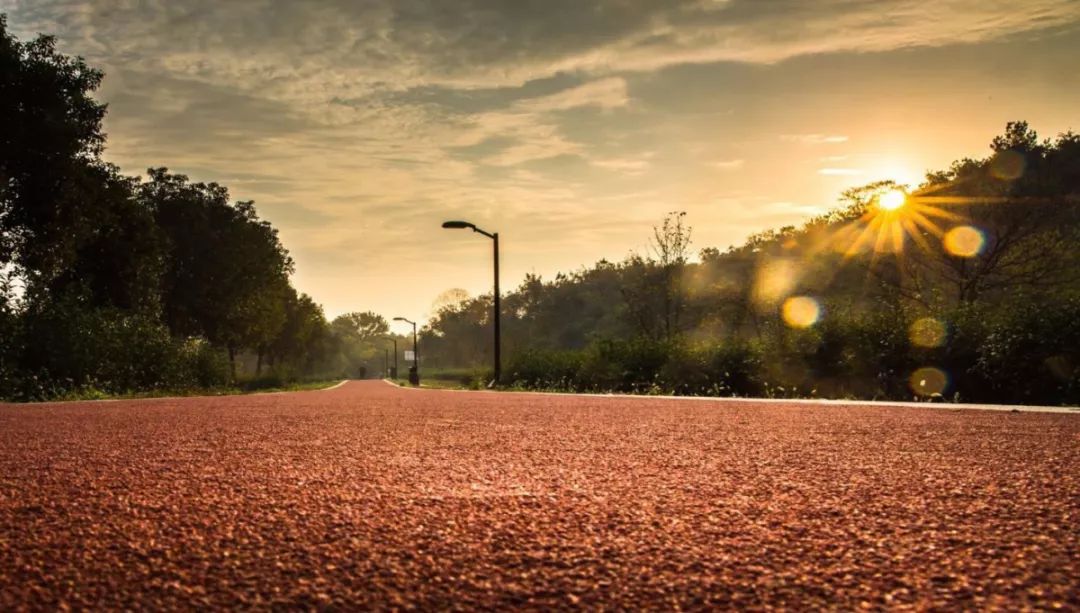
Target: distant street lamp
(414, 372)
(393, 373)
(462, 225)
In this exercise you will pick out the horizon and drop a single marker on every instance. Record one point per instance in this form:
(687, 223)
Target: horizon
(358, 134)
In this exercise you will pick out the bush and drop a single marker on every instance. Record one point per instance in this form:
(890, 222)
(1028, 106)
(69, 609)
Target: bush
(207, 366)
(68, 349)
(545, 369)
(643, 366)
(269, 380)
(734, 369)
(1031, 356)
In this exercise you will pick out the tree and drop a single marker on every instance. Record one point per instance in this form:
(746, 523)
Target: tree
(358, 335)
(361, 327)
(1018, 209)
(119, 262)
(304, 339)
(226, 276)
(653, 290)
(449, 298)
(68, 221)
(93, 262)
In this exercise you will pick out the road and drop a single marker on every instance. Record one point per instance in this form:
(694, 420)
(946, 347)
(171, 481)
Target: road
(371, 496)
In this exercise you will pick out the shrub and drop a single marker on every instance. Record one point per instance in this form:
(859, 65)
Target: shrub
(1031, 355)
(545, 369)
(68, 349)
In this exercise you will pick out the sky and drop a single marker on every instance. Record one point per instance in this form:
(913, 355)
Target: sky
(570, 127)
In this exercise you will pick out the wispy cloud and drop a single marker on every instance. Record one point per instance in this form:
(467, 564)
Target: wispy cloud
(814, 139)
(727, 164)
(605, 94)
(628, 165)
(305, 52)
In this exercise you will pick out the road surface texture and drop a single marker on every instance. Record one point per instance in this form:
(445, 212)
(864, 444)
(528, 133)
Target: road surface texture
(371, 496)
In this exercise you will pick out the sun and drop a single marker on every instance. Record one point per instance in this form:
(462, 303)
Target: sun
(892, 200)
(894, 218)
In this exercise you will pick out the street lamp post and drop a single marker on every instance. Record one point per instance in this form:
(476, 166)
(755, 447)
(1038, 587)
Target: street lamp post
(414, 372)
(497, 309)
(394, 371)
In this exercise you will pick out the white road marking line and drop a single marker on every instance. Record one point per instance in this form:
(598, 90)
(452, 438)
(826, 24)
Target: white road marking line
(806, 401)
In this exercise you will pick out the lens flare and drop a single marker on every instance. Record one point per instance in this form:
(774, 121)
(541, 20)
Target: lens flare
(1008, 165)
(894, 218)
(892, 199)
(929, 381)
(927, 332)
(964, 241)
(801, 311)
(775, 279)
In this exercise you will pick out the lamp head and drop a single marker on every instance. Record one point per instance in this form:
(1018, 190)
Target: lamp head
(457, 225)
(399, 319)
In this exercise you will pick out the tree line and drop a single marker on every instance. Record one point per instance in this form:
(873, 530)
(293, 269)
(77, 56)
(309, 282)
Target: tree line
(116, 283)
(967, 288)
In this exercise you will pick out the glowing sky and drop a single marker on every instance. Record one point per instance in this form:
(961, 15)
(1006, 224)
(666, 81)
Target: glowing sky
(568, 126)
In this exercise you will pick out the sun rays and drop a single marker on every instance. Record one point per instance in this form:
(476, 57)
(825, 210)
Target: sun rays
(891, 218)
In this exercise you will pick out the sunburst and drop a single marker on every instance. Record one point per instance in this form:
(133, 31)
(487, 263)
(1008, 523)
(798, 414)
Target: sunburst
(893, 216)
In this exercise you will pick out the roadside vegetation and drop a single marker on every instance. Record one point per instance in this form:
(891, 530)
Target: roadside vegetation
(967, 288)
(255, 386)
(117, 285)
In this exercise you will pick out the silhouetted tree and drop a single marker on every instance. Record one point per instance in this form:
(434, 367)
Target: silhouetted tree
(226, 274)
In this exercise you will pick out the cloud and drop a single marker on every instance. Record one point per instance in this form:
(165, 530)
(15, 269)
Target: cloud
(311, 52)
(605, 94)
(627, 165)
(727, 164)
(814, 139)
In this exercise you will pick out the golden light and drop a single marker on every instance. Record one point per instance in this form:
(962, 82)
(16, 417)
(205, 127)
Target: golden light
(775, 278)
(1008, 165)
(899, 170)
(929, 381)
(892, 200)
(964, 241)
(927, 332)
(801, 311)
(892, 217)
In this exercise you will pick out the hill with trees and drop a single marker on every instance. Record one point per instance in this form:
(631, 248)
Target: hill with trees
(967, 288)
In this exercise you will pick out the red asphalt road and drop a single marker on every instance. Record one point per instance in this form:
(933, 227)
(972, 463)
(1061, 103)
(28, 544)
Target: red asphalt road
(370, 496)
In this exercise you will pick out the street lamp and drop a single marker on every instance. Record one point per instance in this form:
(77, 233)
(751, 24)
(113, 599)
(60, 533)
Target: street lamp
(414, 372)
(393, 373)
(462, 225)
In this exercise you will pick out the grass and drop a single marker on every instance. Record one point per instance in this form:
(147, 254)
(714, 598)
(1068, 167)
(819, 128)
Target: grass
(436, 382)
(249, 387)
(429, 383)
(449, 378)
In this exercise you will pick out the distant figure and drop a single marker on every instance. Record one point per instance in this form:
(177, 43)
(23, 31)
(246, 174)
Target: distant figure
(414, 376)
